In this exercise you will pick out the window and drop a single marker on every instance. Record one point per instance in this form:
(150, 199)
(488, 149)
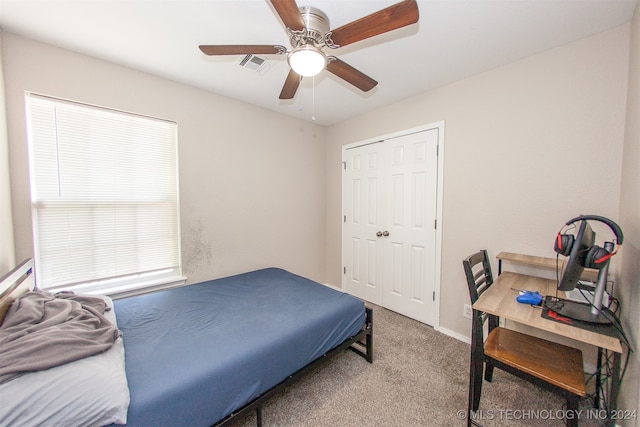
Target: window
(104, 198)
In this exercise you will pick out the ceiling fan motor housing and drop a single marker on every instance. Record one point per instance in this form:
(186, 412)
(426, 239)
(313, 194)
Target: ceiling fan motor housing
(317, 25)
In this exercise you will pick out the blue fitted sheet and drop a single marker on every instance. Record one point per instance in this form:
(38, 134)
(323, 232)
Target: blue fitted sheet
(195, 354)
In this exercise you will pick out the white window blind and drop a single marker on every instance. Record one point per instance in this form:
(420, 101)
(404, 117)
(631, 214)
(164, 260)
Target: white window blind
(104, 195)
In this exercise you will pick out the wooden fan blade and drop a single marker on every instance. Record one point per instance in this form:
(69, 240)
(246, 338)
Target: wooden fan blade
(393, 17)
(289, 13)
(240, 49)
(349, 74)
(290, 85)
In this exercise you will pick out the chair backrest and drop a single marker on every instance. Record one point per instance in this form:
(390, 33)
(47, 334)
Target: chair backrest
(477, 268)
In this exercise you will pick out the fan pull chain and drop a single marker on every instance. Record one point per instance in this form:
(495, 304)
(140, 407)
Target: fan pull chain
(313, 99)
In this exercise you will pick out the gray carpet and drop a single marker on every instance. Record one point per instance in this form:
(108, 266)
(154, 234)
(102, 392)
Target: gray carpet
(419, 377)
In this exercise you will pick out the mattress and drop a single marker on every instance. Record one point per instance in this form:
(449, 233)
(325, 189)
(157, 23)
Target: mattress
(196, 354)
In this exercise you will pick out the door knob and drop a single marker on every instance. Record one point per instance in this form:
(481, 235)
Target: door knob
(386, 233)
(379, 234)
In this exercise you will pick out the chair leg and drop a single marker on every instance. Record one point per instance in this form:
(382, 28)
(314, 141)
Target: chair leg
(488, 372)
(477, 362)
(475, 381)
(477, 384)
(494, 322)
(471, 390)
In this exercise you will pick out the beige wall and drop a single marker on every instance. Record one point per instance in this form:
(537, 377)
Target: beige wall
(630, 222)
(528, 146)
(7, 259)
(252, 182)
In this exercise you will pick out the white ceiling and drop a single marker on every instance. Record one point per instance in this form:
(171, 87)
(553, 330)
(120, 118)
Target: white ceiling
(454, 39)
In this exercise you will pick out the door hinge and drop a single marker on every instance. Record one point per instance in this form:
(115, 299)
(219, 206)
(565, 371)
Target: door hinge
(344, 270)
(434, 295)
(344, 165)
(344, 219)
(437, 149)
(435, 224)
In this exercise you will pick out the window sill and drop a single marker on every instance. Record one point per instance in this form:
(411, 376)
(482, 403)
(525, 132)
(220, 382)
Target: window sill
(144, 287)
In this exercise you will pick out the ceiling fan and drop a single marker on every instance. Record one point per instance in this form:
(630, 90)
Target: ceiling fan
(309, 33)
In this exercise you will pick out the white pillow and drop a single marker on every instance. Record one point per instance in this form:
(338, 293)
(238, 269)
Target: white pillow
(90, 392)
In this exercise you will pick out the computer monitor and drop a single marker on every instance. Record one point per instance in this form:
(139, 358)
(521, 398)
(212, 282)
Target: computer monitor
(592, 312)
(575, 266)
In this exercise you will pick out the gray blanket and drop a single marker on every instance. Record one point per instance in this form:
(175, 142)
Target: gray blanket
(42, 330)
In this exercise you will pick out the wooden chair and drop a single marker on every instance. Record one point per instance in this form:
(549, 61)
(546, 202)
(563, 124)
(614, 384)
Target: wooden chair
(550, 365)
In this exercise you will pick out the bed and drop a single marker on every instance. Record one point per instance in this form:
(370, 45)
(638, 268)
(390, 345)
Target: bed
(201, 354)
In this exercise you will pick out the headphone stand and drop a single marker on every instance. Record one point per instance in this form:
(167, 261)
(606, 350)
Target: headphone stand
(588, 312)
(602, 284)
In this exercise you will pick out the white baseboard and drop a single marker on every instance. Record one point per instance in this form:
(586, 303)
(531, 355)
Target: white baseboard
(453, 334)
(333, 287)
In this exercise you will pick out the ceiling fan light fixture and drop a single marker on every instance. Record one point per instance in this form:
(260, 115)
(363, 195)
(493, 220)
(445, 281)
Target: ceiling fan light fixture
(307, 60)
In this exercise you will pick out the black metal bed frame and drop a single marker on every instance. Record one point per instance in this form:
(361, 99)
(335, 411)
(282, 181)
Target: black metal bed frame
(361, 343)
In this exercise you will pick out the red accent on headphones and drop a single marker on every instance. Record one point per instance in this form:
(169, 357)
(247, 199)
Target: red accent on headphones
(605, 258)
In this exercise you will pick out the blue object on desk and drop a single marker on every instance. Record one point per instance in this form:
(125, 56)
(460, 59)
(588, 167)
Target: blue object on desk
(530, 297)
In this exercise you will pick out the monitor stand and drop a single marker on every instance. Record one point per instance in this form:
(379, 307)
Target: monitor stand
(580, 311)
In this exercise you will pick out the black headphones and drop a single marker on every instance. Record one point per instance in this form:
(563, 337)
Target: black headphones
(597, 256)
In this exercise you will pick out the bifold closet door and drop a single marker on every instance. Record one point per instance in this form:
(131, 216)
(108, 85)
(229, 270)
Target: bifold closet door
(389, 202)
(409, 217)
(363, 210)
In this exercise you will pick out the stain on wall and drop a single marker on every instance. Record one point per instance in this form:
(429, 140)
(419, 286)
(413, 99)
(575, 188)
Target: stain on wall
(197, 252)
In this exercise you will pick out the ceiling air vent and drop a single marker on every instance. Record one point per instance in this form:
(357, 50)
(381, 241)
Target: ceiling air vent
(254, 63)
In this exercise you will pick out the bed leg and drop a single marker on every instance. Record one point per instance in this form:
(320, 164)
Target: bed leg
(364, 338)
(259, 416)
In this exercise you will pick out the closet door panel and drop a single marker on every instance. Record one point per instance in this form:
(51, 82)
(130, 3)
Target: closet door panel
(363, 201)
(410, 213)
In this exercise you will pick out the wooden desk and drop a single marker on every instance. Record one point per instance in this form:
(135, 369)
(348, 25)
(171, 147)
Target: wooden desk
(530, 260)
(589, 274)
(500, 300)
